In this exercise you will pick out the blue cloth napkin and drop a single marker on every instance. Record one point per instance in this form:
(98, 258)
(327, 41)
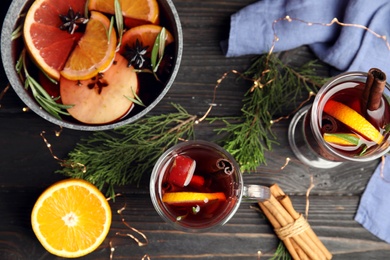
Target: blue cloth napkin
(344, 48)
(374, 208)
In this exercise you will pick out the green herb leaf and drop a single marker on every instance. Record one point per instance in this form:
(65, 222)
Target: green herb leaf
(119, 21)
(158, 49)
(48, 103)
(136, 100)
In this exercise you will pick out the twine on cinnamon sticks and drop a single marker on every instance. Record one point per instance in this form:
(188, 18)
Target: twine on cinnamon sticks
(292, 228)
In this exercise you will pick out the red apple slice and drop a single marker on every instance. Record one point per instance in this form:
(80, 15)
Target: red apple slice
(182, 170)
(102, 99)
(196, 181)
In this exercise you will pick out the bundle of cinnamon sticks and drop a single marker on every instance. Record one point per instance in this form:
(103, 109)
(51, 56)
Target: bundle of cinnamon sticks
(292, 228)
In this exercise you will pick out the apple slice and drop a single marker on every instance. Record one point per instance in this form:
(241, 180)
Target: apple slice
(182, 170)
(101, 99)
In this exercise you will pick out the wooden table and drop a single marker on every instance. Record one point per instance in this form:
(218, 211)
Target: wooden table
(27, 167)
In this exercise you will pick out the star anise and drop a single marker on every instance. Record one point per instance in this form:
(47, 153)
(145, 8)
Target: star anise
(135, 54)
(71, 21)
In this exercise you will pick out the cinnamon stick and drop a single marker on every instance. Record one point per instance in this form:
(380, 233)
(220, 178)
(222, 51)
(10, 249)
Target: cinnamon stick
(291, 247)
(287, 204)
(374, 87)
(292, 228)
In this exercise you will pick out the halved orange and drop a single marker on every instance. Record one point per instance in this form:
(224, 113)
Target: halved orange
(46, 43)
(134, 11)
(94, 52)
(146, 35)
(353, 120)
(185, 197)
(71, 218)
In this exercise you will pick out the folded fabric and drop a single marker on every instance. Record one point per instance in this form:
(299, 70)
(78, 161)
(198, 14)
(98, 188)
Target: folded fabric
(374, 208)
(346, 48)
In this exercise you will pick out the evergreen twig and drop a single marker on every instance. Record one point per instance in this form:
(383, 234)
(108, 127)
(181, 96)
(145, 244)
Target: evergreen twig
(276, 86)
(121, 156)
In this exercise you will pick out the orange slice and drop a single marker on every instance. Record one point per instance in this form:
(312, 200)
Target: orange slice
(47, 44)
(71, 218)
(192, 197)
(348, 139)
(94, 52)
(353, 120)
(146, 11)
(146, 35)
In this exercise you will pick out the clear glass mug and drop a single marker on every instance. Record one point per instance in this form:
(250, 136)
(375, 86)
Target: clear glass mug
(305, 132)
(213, 194)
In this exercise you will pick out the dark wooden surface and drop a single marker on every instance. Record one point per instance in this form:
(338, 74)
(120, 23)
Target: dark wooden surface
(27, 168)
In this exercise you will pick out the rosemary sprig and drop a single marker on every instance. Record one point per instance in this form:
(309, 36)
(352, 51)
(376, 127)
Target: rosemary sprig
(158, 49)
(39, 93)
(136, 100)
(121, 156)
(275, 86)
(119, 22)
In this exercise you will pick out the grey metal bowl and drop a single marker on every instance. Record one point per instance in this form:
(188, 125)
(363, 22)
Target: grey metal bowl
(10, 52)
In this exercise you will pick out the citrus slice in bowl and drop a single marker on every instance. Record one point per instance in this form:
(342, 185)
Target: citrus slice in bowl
(47, 44)
(146, 36)
(71, 218)
(94, 52)
(135, 11)
(353, 120)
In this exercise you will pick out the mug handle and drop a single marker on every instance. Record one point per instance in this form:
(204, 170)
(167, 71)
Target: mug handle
(256, 193)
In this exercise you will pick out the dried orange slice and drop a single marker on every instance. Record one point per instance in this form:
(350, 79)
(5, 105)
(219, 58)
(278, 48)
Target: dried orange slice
(71, 218)
(47, 44)
(146, 35)
(137, 11)
(94, 52)
(353, 120)
(192, 197)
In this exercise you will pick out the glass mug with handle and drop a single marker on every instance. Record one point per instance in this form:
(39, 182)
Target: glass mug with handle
(196, 186)
(349, 120)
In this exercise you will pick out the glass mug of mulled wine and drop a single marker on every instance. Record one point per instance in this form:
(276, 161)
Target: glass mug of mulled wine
(196, 186)
(349, 120)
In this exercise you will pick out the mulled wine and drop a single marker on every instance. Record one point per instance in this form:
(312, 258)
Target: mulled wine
(348, 121)
(350, 141)
(198, 185)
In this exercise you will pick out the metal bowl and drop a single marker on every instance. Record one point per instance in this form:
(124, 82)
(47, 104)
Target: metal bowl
(10, 51)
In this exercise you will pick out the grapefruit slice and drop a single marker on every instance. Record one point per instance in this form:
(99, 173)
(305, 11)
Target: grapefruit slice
(94, 52)
(48, 45)
(146, 35)
(101, 99)
(136, 12)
